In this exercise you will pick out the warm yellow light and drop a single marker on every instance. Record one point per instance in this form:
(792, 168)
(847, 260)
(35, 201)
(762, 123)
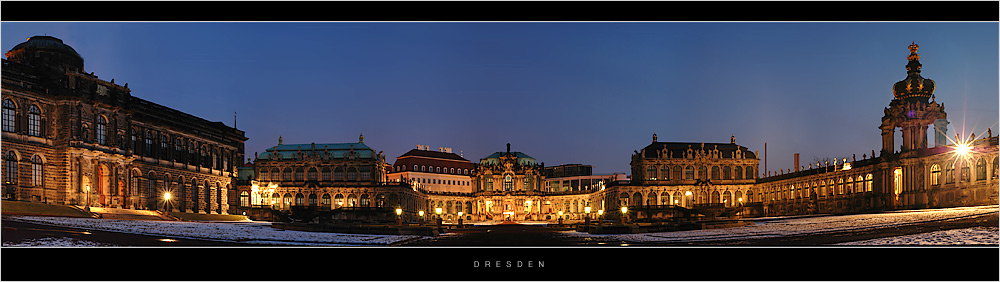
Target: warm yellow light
(688, 193)
(460, 214)
(437, 210)
(586, 209)
(740, 199)
(399, 211)
(166, 196)
(963, 149)
(600, 212)
(624, 210)
(560, 213)
(847, 166)
(421, 213)
(88, 188)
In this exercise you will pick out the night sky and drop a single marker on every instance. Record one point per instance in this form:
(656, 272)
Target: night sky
(568, 92)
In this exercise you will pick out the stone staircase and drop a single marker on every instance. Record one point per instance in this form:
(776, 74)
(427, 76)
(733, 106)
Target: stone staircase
(115, 213)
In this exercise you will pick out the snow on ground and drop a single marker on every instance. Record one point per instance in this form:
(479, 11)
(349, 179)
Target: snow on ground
(233, 231)
(56, 242)
(780, 227)
(966, 236)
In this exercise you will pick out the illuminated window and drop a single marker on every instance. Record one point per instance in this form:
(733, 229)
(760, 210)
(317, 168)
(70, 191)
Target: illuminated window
(326, 200)
(966, 173)
(10, 168)
(508, 183)
(9, 116)
(650, 172)
(665, 172)
(868, 183)
(36, 171)
(935, 174)
(312, 199)
(299, 199)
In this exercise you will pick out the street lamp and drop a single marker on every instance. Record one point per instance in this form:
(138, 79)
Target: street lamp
(88, 197)
(624, 214)
(600, 217)
(439, 219)
(560, 217)
(586, 210)
(399, 218)
(460, 218)
(166, 198)
(421, 214)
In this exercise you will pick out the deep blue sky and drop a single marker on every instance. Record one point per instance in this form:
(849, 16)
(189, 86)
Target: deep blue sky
(571, 92)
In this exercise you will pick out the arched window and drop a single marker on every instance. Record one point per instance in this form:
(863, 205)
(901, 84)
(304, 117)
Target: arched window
(338, 173)
(868, 183)
(9, 116)
(36, 171)
(102, 130)
(312, 200)
(365, 173)
(966, 173)
(149, 144)
(352, 174)
(949, 173)
(300, 199)
(414, 167)
(689, 173)
(300, 174)
(715, 173)
(338, 201)
(935, 174)
(981, 169)
(34, 121)
(466, 171)
(677, 172)
(274, 175)
(623, 199)
(244, 199)
(10, 167)
(738, 173)
(508, 183)
(325, 175)
(286, 174)
(452, 170)
(750, 174)
(312, 174)
(727, 173)
(326, 200)
(665, 172)
(423, 168)
(702, 172)
(636, 198)
(650, 172)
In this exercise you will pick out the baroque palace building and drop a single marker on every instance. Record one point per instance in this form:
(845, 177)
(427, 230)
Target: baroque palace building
(668, 179)
(72, 138)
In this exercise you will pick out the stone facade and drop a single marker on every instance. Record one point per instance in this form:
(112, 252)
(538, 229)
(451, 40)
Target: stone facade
(95, 144)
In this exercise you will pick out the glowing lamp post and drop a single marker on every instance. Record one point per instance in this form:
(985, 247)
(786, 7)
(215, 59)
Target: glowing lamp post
(166, 198)
(399, 217)
(560, 217)
(439, 219)
(624, 214)
(600, 217)
(421, 214)
(88, 197)
(586, 210)
(460, 218)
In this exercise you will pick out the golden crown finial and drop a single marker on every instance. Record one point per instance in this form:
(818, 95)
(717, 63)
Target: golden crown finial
(913, 51)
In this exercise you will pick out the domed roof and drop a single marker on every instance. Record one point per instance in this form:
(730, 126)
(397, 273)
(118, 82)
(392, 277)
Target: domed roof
(45, 42)
(913, 86)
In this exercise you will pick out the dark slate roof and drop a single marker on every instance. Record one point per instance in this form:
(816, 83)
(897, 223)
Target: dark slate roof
(48, 43)
(522, 158)
(433, 154)
(679, 148)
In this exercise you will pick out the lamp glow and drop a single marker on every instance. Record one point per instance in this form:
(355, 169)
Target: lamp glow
(166, 196)
(624, 210)
(399, 211)
(586, 209)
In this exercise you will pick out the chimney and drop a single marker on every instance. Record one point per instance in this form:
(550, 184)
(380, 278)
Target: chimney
(796, 162)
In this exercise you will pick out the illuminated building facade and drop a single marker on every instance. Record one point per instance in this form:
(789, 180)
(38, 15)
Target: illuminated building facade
(721, 179)
(436, 171)
(72, 138)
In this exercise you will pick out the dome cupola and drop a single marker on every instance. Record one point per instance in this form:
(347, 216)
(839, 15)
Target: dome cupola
(45, 50)
(913, 86)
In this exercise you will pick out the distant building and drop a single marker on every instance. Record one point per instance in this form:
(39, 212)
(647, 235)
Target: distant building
(577, 177)
(72, 138)
(436, 171)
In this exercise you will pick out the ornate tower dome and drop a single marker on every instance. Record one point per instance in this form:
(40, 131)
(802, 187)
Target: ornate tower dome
(46, 50)
(913, 86)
